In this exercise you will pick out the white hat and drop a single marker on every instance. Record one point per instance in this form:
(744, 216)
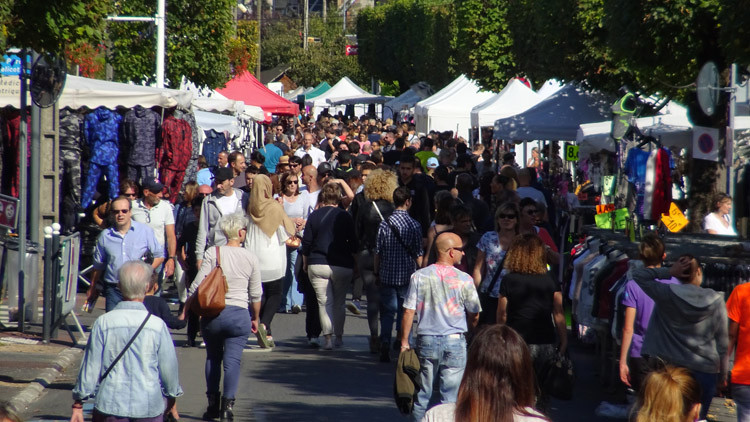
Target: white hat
(432, 163)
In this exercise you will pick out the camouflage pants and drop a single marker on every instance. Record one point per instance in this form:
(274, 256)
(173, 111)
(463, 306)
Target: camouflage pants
(191, 172)
(70, 164)
(139, 174)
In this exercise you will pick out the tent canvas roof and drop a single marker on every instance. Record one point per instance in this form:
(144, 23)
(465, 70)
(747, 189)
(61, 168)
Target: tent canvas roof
(246, 88)
(450, 109)
(318, 90)
(365, 98)
(408, 99)
(515, 98)
(557, 118)
(343, 88)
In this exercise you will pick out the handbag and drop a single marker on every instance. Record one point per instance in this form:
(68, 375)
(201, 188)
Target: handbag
(558, 377)
(124, 349)
(489, 303)
(293, 242)
(209, 300)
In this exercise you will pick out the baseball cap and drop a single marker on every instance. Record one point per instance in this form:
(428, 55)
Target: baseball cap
(324, 167)
(153, 186)
(223, 173)
(432, 163)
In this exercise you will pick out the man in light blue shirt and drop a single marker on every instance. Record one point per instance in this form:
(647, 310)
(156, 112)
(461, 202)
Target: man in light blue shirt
(147, 372)
(126, 241)
(272, 154)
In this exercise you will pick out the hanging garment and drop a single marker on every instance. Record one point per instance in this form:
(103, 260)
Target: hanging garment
(11, 172)
(101, 128)
(140, 128)
(71, 148)
(662, 196)
(648, 191)
(174, 154)
(214, 143)
(191, 172)
(635, 168)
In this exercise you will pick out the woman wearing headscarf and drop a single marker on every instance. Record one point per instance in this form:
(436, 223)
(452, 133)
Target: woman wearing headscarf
(267, 231)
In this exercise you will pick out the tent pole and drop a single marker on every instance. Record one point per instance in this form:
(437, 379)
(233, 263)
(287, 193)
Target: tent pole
(525, 159)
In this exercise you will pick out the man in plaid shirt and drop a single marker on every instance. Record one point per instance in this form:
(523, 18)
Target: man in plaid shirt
(397, 255)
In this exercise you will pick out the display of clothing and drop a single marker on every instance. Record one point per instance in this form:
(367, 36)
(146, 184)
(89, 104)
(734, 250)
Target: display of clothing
(662, 196)
(192, 168)
(174, 153)
(635, 168)
(11, 171)
(140, 129)
(101, 128)
(214, 143)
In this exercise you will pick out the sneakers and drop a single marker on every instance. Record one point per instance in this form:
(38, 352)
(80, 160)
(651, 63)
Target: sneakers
(314, 342)
(385, 352)
(296, 309)
(353, 308)
(262, 336)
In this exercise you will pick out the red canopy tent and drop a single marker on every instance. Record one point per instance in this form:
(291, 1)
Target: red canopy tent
(246, 88)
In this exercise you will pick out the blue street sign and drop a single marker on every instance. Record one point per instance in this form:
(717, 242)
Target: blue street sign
(11, 65)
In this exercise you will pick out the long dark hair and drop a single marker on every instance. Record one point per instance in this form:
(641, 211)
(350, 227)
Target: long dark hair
(498, 380)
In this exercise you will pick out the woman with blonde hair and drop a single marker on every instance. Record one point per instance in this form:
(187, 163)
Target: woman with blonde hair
(530, 301)
(369, 208)
(669, 394)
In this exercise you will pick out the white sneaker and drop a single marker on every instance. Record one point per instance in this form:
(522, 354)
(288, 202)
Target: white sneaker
(314, 342)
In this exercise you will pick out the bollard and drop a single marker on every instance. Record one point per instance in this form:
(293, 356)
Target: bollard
(47, 316)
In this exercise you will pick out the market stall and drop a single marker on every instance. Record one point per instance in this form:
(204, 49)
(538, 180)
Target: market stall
(514, 99)
(249, 90)
(450, 108)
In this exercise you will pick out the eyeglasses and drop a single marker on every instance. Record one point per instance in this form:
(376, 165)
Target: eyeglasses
(129, 194)
(461, 249)
(293, 165)
(506, 216)
(292, 182)
(123, 211)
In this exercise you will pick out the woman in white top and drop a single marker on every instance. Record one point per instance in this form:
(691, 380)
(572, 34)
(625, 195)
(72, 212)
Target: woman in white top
(296, 208)
(267, 231)
(498, 382)
(720, 220)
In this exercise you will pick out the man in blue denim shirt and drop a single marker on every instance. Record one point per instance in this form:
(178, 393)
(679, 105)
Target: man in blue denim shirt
(126, 241)
(146, 373)
(447, 305)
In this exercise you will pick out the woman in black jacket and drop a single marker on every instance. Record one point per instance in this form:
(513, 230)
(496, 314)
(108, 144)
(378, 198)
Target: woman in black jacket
(376, 204)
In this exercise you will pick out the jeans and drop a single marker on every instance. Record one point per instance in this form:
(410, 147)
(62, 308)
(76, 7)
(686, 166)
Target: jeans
(708, 389)
(270, 302)
(442, 358)
(330, 284)
(101, 417)
(225, 336)
(391, 307)
(741, 395)
(113, 296)
(290, 296)
(365, 260)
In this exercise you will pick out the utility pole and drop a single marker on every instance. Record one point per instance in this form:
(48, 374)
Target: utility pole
(260, 20)
(325, 11)
(304, 34)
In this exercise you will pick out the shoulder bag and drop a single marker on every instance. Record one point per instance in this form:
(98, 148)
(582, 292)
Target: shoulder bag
(210, 298)
(124, 349)
(489, 303)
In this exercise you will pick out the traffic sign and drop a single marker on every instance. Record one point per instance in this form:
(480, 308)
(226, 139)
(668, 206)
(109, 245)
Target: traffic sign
(11, 65)
(8, 212)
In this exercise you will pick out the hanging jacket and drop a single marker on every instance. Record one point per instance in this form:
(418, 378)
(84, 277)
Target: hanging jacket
(101, 130)
(214, 143)
(140, 128)
(190, 119)
(176, 145)
(71, 130)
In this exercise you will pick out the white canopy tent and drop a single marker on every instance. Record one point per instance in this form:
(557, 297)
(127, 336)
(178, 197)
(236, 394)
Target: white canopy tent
(84, 92)
(407, 99)
(450, 108)
(218, 122)
(557, 118)
(515, 98)
(343, 89)
(548, 88)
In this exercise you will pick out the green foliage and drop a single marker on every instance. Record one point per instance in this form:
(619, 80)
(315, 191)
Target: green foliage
(483, 47)
(734, 16)
(243, 47)
(53, 25)
(198, 42)
(408, 41)
(323, 61)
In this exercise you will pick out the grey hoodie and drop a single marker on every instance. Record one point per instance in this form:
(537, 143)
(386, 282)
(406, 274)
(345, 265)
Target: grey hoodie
(688, 327)
(209, 233)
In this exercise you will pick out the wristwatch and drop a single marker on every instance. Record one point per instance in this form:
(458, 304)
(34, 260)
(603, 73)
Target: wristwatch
(173, 257)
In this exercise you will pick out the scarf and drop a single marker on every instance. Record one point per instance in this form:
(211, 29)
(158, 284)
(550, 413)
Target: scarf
(265, 211)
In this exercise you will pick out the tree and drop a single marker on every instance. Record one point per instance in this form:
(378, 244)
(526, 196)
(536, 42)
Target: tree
(243, 47)
(483, 42)
(198, 41)
(408, 41)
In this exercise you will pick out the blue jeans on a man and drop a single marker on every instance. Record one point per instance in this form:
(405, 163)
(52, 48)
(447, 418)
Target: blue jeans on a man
(112, 295)
(391, 308)
(442, 358)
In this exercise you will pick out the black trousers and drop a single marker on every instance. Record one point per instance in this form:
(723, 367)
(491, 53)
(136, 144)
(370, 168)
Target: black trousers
(271, 300)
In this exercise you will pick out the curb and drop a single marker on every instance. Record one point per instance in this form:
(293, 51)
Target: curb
(21, 401)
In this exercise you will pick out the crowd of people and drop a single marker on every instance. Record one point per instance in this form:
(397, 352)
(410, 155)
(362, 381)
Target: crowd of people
(421, 227)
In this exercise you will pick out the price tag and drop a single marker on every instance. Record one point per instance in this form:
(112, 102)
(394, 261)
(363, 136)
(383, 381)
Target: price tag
(571, 152)
(676, 220)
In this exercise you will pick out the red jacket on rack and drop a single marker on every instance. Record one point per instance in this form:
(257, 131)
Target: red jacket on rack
(176, 146)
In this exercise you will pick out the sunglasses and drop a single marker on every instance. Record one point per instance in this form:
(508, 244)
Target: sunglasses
(129, 195)
(292, 182)
(293, 165)
(125, 211)
(506, 216)
(461, 249)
